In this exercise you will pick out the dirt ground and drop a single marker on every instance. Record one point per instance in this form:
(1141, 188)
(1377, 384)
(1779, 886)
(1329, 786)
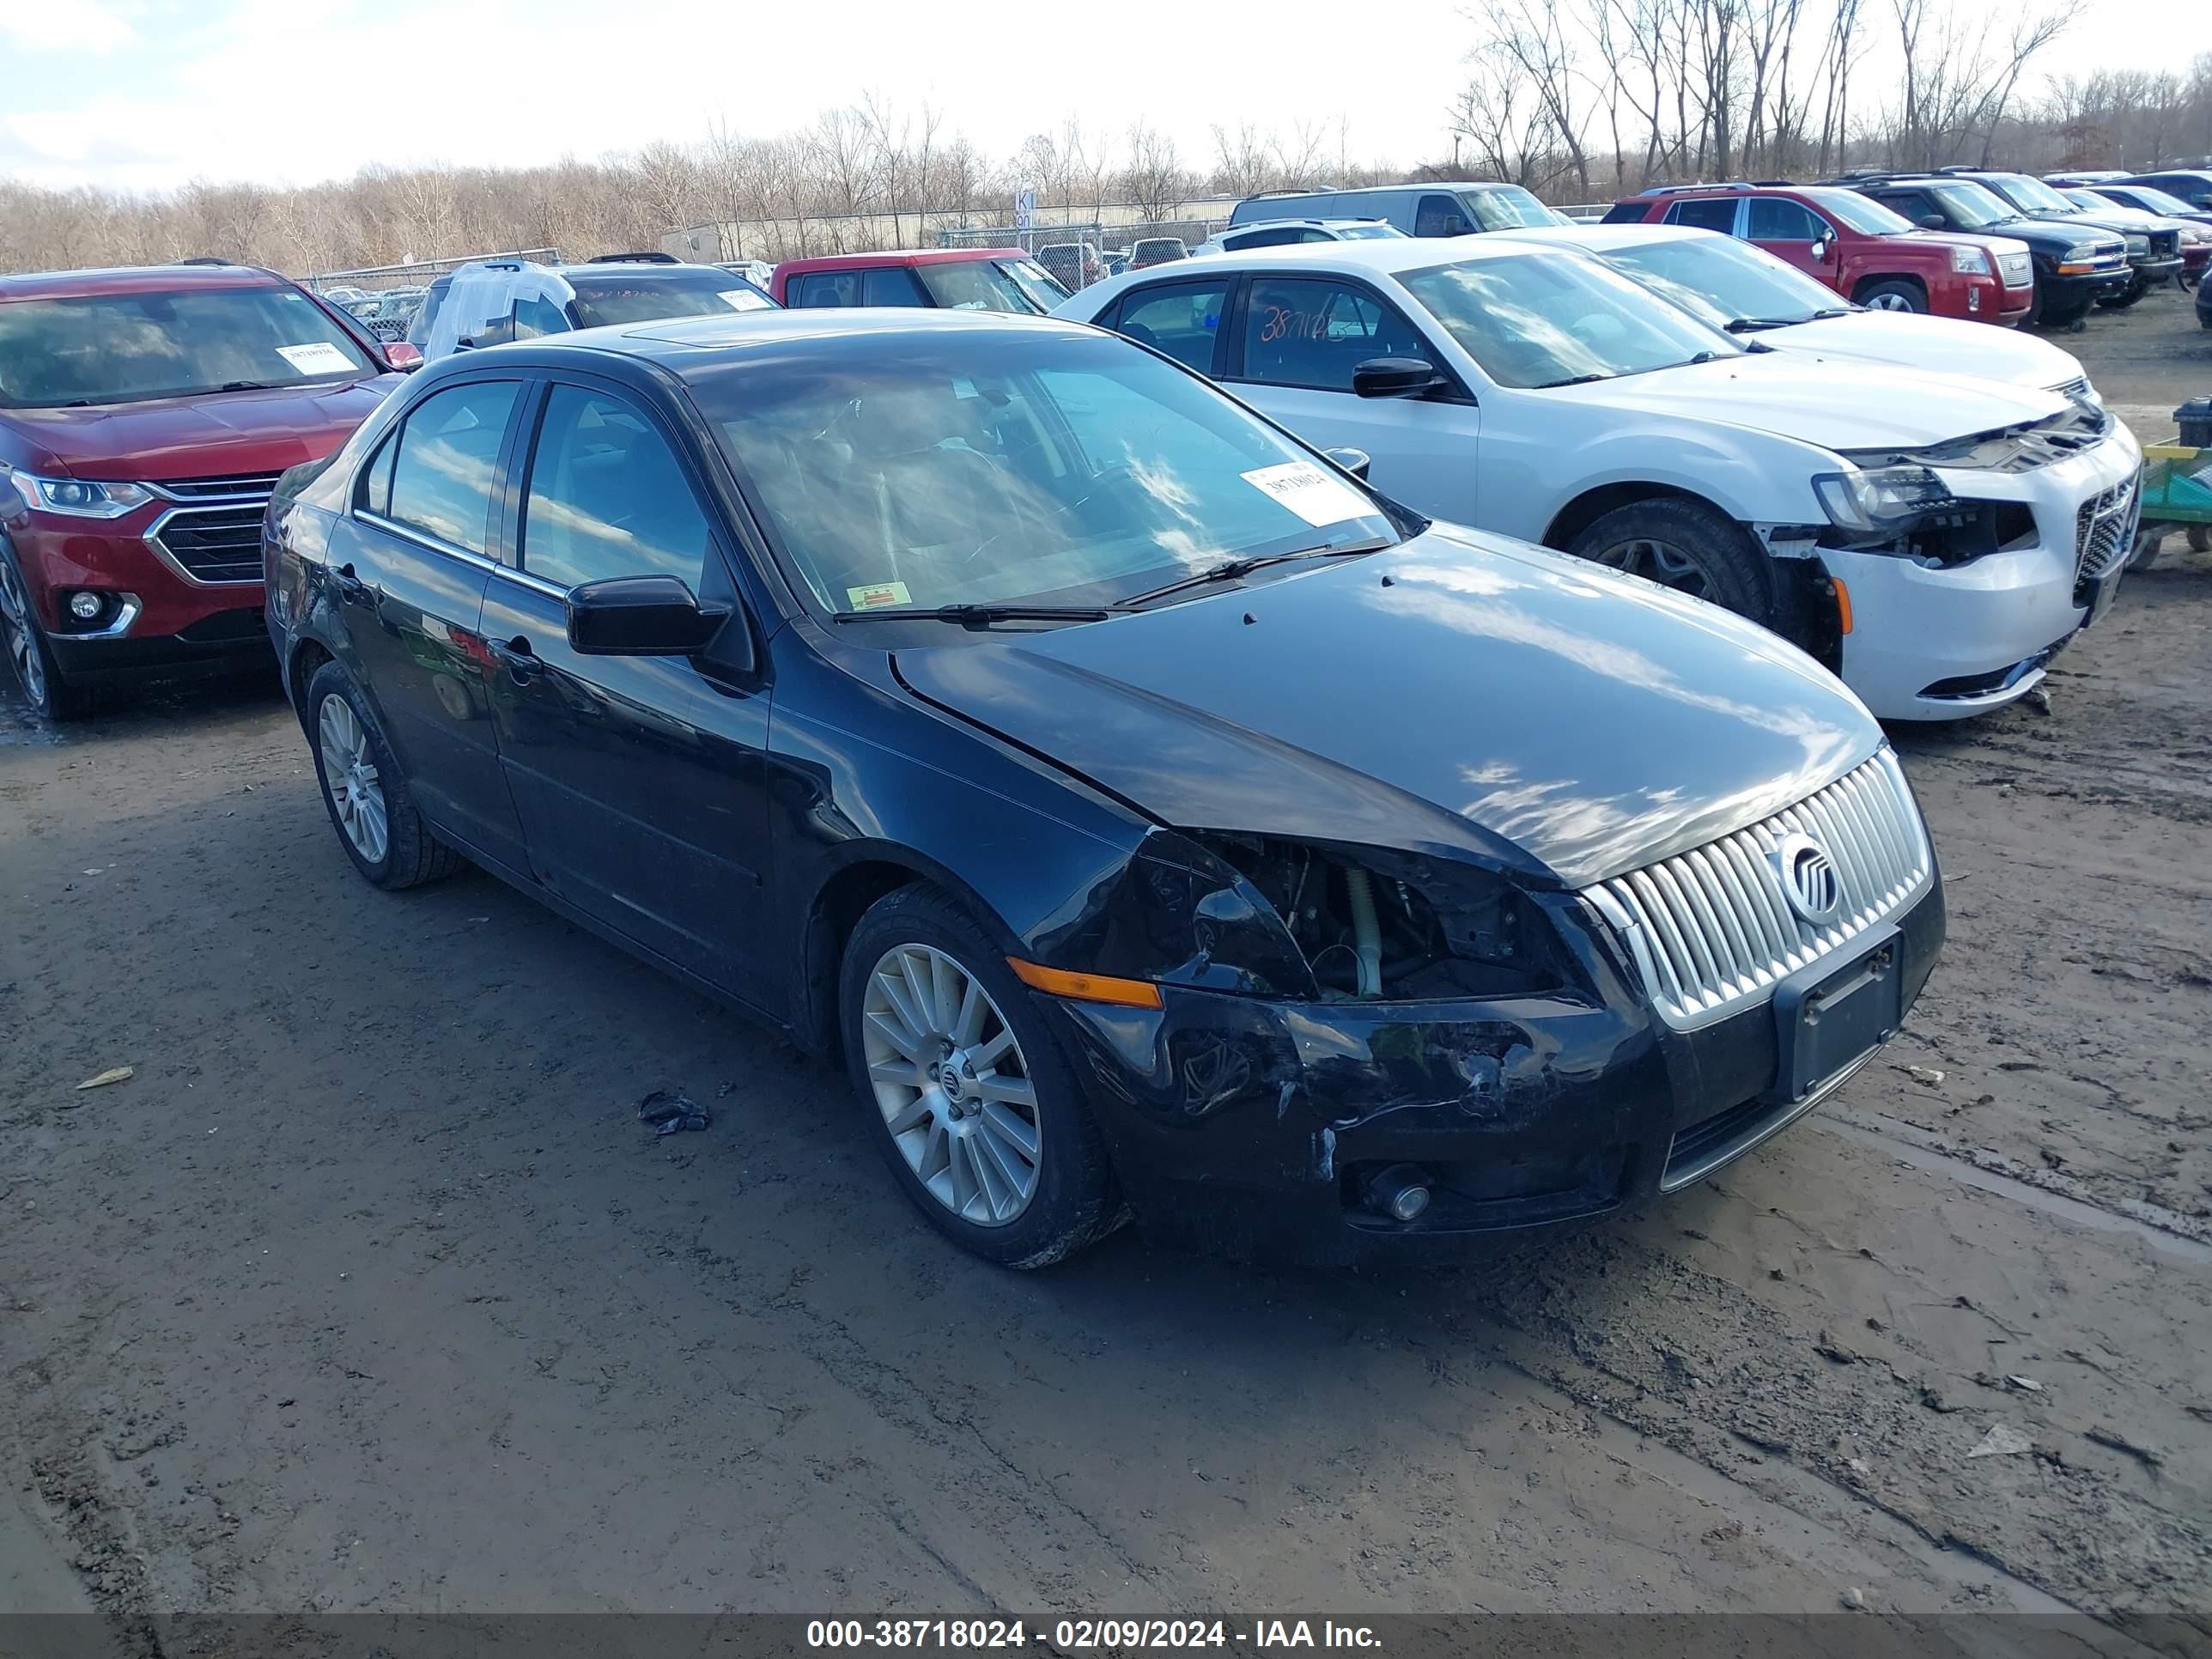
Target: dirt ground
(369, 1291)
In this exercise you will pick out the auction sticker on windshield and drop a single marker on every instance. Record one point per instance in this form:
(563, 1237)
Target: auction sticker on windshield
(875, 595)
(1310, 493)
(317, 357)
(744, 299)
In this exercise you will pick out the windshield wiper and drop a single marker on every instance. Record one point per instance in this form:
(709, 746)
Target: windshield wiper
(247, 385)
(1752, 324)
(981, 616)
(1234, 569)
(1573, 379)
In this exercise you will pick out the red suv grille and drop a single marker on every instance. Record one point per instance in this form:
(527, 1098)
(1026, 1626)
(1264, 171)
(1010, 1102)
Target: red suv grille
(213, 534)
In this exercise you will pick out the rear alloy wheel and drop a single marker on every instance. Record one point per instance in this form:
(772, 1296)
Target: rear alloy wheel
(1692, 548)
(1893, 295)
(971, 1102)
(24, 643)
(370, 803)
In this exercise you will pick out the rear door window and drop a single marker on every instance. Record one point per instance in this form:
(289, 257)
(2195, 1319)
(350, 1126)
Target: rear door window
(1706, 213)
(817, 289)
(1180, 318)
(447, 457)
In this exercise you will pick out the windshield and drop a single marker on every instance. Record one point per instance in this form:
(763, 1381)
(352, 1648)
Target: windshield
(1724, 282)
(1361, 232)
(1971, 207)
(1546, 321)
(980, 285)
(1509, 209)
(2029, 195)
(126, 347)
(1049, 468)
(2090, 202)
(1860, 213)
(640, 299)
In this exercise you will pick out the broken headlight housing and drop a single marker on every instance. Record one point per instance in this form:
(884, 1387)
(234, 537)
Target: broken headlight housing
(1373, 923)
(1882, 501)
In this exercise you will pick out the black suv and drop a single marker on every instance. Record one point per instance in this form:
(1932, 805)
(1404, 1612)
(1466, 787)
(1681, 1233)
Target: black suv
(2076, 265)
(2153, 250)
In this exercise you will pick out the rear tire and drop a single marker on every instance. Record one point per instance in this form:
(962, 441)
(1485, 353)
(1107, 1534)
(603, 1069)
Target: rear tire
(2069, 317)
(367, 794)
(1695, 549)
(2200, 538)
(1894, 294)
(23, 644)
(1009, 1165)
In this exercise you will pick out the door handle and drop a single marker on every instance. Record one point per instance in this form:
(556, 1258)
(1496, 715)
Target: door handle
(516, 657)
(351, 589)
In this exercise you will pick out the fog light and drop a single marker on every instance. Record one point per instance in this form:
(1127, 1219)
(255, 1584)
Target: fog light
(86, 607)
(1400, 1192)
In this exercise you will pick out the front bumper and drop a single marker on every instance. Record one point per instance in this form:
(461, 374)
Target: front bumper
(1944, 643)
(2065, 292)
(1252, 1129)
(159, 621)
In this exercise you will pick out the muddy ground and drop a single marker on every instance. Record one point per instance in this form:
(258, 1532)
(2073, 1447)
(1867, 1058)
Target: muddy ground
(369, 1291)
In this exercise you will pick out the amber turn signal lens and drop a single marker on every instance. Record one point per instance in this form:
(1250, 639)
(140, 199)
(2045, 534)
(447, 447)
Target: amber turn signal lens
(1842, 604)
(1086, 987)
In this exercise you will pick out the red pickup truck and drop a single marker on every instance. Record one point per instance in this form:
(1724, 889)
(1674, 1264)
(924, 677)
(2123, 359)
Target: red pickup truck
(144, 417)
(1858, 247)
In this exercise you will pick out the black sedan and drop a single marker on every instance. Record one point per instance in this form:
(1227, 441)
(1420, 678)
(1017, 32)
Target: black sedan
(1154, 819)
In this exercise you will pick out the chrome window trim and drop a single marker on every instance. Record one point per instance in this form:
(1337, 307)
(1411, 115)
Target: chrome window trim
(466, 556)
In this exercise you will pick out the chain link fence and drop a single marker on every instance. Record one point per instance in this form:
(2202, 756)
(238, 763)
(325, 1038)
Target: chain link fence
(384, 299)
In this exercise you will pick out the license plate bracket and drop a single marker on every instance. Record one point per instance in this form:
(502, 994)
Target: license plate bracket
(1827, 1018)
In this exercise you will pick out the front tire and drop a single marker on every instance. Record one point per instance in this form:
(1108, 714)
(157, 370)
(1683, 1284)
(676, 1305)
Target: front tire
(1893, 294)
(23, 643)
(366, 794)
(2127, 296)
(1693, 549)
(966, 1091)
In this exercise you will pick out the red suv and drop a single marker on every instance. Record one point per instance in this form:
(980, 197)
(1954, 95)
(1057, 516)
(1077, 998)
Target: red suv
(145, 416)
(952, 278)
(1857, 246)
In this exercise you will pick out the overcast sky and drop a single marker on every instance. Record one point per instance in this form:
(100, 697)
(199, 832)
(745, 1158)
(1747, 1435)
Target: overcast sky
(150, 93)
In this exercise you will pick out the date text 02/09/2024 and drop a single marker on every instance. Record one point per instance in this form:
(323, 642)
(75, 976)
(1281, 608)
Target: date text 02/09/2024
(1080, 1635)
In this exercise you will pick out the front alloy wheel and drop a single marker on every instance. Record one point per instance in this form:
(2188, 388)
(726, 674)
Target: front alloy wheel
(23, 643)
(952, 1085)
(967, 1090)
(1656, 561)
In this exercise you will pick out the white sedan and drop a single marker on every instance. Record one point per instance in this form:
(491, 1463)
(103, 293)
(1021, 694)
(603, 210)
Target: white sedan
(1934, 538)
(1747, 291)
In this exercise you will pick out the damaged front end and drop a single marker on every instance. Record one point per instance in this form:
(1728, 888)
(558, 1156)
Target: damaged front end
(1408, 1045)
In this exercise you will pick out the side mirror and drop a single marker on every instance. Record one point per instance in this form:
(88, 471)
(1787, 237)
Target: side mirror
(1394, 377)
(1930, 222)
(402, 356)
(1354, 461)
(639, 617)
(1819, 251)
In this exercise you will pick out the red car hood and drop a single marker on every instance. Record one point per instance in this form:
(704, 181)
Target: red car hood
(204, 436)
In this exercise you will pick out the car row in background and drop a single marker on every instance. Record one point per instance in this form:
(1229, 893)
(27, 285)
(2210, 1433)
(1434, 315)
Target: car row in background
(1934, 539)
(492, 301)
(949, 279)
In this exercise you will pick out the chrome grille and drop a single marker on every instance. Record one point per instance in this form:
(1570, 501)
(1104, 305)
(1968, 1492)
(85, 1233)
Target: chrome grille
(2104, 532)
(2018, 270)
(1712, 929)
(2077, 388)
(213, 533)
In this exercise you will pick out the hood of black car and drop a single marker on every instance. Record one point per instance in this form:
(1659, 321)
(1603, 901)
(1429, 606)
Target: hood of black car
(1462, 694)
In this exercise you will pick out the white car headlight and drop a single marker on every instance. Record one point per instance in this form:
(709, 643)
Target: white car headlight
(1886, 498)
(1971, 261)
(77, 497)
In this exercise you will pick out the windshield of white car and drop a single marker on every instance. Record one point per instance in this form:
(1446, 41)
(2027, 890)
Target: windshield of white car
(130, 348)
(1971, 206)
(643, 298)
(1725, 282)
(1509, 209)
(1860, 213)
(2153, 201)
(1361, 232)
(909, 474)
(1557, 319)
